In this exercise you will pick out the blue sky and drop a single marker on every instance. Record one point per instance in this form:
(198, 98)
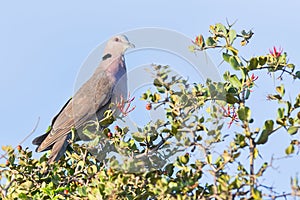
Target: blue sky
(42, 46)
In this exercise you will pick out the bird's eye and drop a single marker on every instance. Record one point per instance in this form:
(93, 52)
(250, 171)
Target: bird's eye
(117, 39)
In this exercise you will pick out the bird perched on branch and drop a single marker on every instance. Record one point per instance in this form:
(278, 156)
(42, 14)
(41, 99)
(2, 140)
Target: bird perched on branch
(94, 96)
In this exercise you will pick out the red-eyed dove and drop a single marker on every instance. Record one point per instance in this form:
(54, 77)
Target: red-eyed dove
(94, 95)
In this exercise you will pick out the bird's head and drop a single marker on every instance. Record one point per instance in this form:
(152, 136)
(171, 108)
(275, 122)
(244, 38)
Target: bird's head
(118, 45)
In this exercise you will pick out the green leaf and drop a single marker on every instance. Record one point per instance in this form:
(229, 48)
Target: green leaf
(92, 169)
(184, 159)
(144, 96)
(297, 74)
(267, 130)
(263, 137)
(291, 66)
(173, 185)
(139, 137)
(226, 57)
(281, 121)
(226, 76)
(280, 90)
(233, 90)
(280, 112)
(22, 196)
(269, 124)
(82, 190)
(290, 149)
(156, 97)
(244, 72)
(157, 83)
(255, 153)
(48, 129)
(209, 158)
(297, 103)
(292, 130)
(27, 185)
(244, 114)
(253, 64)
(232, 36)
(248, 92)
(233, 60)
(210, 41)
(256, 194)
(220, 28)
(243, 42)
(234, 80)
(169, 169)
(192, 48)
(262, 60)
(231, 99)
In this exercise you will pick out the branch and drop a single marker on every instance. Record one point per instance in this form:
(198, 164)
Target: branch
(22, 141)
(155, 148)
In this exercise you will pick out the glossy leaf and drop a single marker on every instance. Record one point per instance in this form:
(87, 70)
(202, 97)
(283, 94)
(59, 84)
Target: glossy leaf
(210, 41)
(233, 60)
(244, 113)
(232, 35)
(226, 57)
(263, 137)
(262, 60)
(290, 149)
(253, 63)
(280, 89)
(234, 80)
(292, 130)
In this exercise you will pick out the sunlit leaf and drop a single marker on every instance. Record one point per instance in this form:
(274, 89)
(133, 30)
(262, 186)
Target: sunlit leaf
(292, 130)
(233, 60)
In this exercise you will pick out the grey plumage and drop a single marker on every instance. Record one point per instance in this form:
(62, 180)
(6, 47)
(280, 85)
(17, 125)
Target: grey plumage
(94, 96)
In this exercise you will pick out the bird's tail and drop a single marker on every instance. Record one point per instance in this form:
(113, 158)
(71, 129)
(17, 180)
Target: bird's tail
(59, 148)
(38, 140)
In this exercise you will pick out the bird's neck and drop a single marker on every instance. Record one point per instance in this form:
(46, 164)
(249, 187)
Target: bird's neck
(111, 64)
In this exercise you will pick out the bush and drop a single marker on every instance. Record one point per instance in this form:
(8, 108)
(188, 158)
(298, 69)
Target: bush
(195, 115)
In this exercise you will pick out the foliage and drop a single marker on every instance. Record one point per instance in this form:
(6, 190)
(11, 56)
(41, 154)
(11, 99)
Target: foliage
(194, 122)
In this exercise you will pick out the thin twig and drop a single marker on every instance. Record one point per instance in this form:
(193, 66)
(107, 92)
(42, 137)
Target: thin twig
(22, 141)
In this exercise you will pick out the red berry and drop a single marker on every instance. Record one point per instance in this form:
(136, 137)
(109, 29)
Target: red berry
(110, 172)
(66, 192)
(7, 163)
(109, 134)
(117, 128)
(148, 106)
(19, 147)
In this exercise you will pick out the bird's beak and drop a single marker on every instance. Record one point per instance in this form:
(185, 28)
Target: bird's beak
(130, 45)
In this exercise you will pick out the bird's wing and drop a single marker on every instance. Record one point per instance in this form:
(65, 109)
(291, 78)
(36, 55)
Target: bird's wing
(59, 148)
(64, 119)
(94, 94)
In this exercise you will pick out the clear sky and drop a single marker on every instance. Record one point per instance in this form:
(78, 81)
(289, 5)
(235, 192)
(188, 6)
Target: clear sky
(43, 44)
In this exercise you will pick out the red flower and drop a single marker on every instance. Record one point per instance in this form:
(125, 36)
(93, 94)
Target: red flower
(250, 81)
(276, 53)
(230, 113)
(124, 105)
(253, 77)
(199, 41)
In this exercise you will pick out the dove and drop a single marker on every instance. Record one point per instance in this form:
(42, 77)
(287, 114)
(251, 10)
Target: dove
(94, 96)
